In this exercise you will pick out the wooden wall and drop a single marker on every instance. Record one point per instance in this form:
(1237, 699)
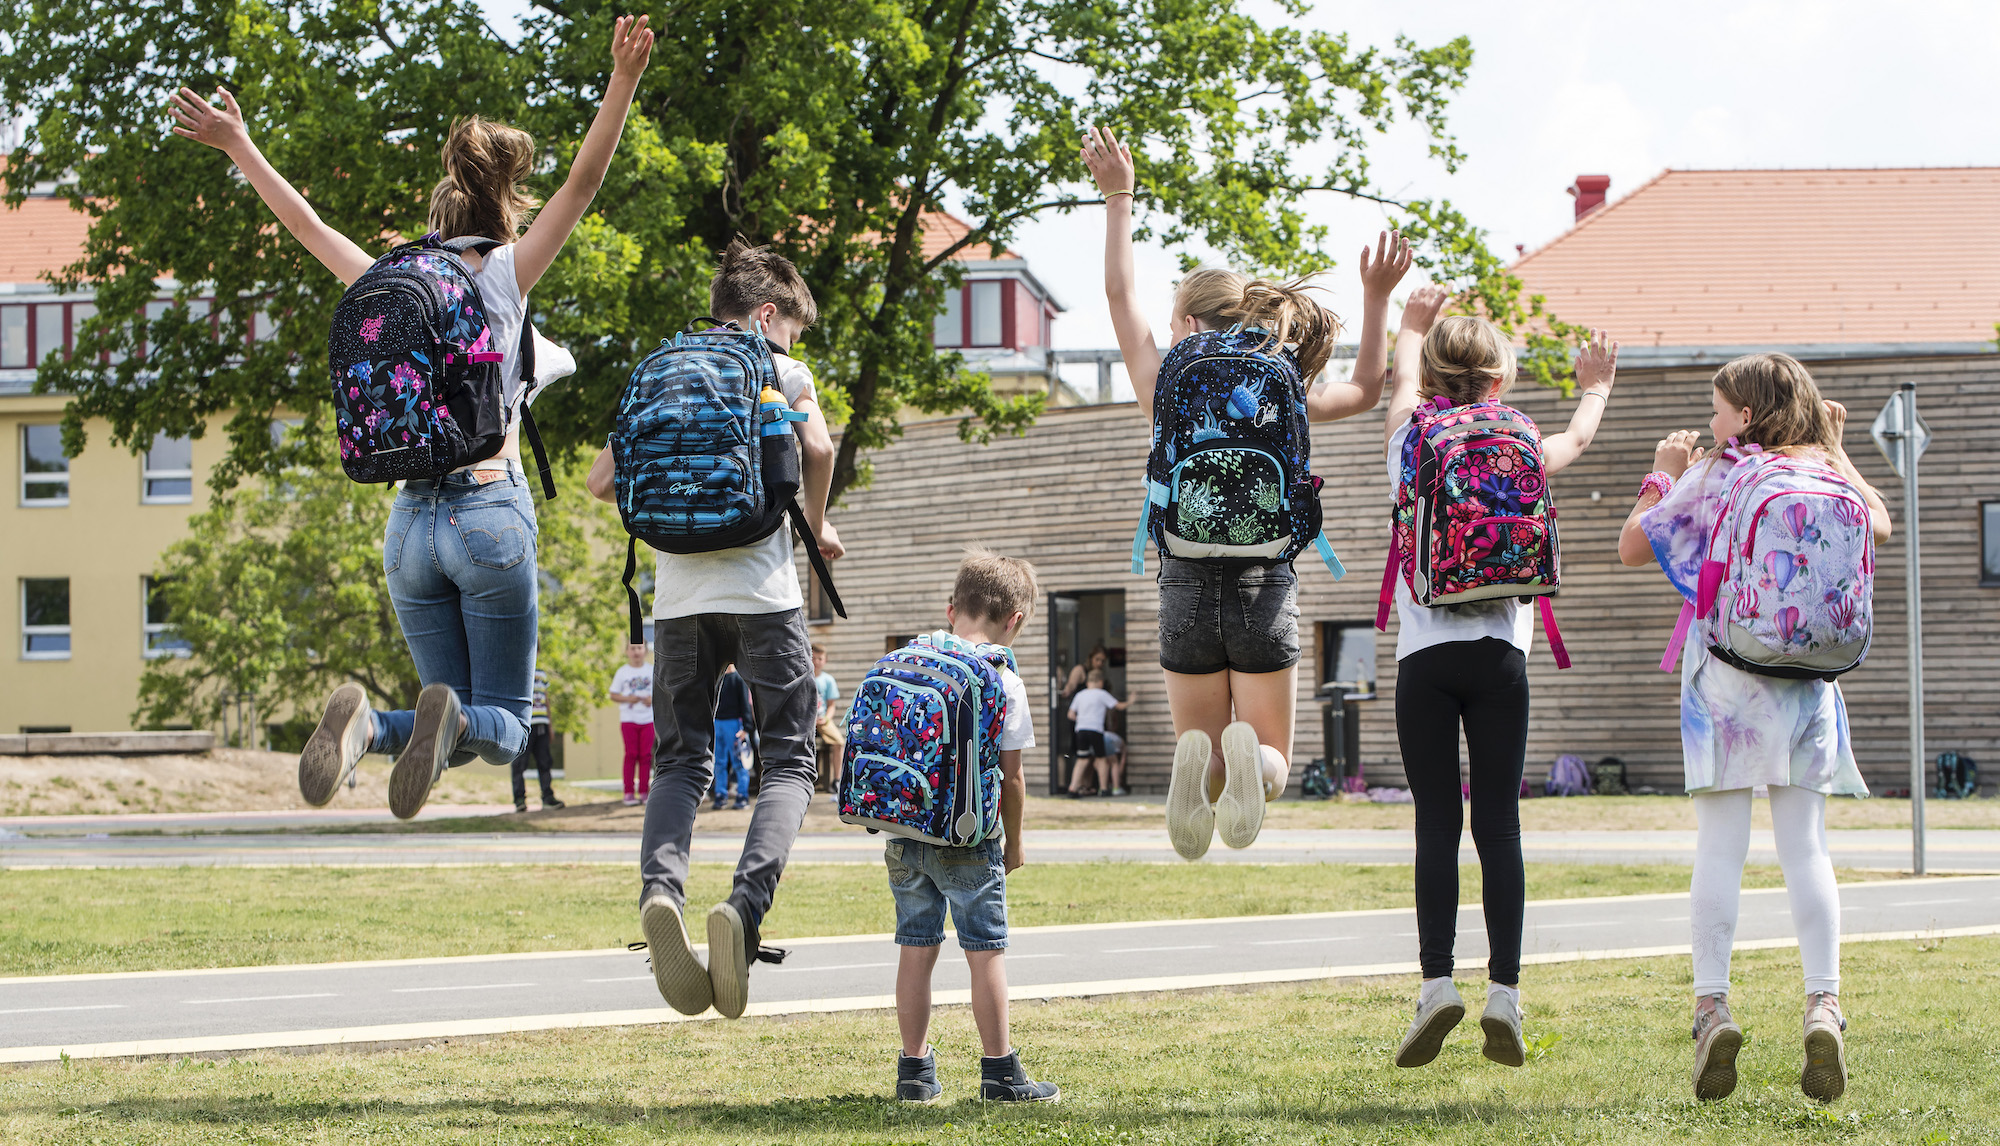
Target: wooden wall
(1066, 497)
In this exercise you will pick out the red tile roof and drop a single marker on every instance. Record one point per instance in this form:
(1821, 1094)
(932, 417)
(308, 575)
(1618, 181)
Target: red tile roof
(1720, 258)
(42, 237)
(942, 229)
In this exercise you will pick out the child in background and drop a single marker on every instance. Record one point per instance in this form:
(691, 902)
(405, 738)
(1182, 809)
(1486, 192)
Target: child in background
(1232, 672)
(732, 717)
(632, 692)
(1468, 664)
(1088, 709)
(830, 736)
(538, 750)
(1741, 729)
(990, 601)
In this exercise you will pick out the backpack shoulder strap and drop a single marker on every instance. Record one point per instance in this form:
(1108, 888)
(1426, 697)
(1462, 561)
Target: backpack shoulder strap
(528, 427)
(825, 575)
(477, 244)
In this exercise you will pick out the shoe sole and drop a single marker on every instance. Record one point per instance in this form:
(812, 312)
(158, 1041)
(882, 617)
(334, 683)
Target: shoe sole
(1053, 1098)
(326, 759)
(728, 967)
(1715, 1074)
(1190, 820)
(1239, 812)
(1503, 1042)
(417, 765)
(1421, 1046)
(682, 980)
(933, 1100)
(1825, 1075)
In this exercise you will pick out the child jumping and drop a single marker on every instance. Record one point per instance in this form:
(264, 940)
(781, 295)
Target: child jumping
(990, 600)
(1229, 617)
(1739, 728)
(459, 550)
(1466, 664)
(1087, 709)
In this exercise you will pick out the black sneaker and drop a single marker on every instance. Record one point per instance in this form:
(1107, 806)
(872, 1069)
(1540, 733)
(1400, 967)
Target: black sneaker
(1003, 1079)
(718, 804)
(549, 803)
(521, 806)
(916, 1078)
(740, 804)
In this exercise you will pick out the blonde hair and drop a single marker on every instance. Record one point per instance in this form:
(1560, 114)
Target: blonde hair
(993, 588)
(1463, 357)
(748, 277)
(481, 192)
(1220, 298)
(1785, 405)
(1095, 677)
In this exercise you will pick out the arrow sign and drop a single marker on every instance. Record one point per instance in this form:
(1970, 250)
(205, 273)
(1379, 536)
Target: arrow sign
(1888, 433)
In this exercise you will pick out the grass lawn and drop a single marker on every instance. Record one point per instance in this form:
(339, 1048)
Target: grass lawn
(142, 919)
(1279, 1065)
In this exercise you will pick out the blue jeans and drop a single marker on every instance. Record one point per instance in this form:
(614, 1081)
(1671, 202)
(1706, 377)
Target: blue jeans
(972, 882)
(729, 760)
(460, 559)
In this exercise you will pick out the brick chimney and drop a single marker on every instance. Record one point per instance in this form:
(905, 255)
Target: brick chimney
(1589, 192)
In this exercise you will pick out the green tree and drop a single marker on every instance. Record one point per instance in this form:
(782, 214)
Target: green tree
(826, 129)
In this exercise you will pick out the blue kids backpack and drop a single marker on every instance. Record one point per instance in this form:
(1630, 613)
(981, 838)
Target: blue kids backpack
(417, 390)
(705, 454)
(1229, 475)
(923, 744)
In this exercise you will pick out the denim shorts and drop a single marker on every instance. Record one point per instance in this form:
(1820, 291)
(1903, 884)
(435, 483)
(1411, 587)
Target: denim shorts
(926, 877)
(1216, 615)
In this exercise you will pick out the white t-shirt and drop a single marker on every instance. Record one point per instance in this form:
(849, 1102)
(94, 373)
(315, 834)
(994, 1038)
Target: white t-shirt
(634, 681)
(506, 309)
(1018, 731)
(1419, 627)
(757, 578)
(1090, 705)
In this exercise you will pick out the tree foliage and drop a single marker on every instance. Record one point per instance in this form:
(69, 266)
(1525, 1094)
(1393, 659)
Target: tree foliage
(826, 129)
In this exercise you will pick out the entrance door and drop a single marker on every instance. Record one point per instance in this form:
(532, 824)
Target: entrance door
(1080, 623)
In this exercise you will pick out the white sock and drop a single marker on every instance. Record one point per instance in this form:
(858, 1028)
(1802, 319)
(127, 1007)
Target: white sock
(1433, 989)
(1513, 994)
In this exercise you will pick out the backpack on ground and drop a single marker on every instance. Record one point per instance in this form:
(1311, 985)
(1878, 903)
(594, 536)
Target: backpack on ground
(1787, 589)
(1474, 518)
(1568, 776)
(1608, 778)
(1316, 783)
(1230, 475)
(922, 759)
(705, 455)
(417, 390)
(1957, 777)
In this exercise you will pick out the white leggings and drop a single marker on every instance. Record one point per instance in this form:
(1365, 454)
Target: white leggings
(1798, 821)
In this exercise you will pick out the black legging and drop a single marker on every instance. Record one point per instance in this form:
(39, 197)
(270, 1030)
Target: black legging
(1484, 683)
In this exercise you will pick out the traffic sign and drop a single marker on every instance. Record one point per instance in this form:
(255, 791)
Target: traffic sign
(1888, 432)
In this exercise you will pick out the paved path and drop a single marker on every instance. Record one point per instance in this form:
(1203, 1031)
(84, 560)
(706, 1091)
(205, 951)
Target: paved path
(195, 823)
(1947, 851)
(368, 1003)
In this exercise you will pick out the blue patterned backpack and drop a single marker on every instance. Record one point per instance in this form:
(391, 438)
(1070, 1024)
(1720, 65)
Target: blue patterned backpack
(705, 454)
(1230, 473)
(923, 744)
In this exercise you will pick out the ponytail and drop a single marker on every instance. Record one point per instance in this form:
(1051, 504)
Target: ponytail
(1220, 299)
(481, 192)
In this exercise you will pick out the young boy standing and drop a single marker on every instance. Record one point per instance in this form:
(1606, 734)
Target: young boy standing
(632, 692)
(1088, 710)
(741, 605)
(989, 603)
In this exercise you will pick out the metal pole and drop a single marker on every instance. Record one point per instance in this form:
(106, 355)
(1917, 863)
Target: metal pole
(1913, 576)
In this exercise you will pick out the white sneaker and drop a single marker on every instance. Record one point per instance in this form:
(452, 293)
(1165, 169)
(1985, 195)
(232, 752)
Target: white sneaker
(1239, 811)
(1502, 1024)
(1824, 1076)
(1190, 818)
(1427, 1032)
(677, 970)
(336, 745)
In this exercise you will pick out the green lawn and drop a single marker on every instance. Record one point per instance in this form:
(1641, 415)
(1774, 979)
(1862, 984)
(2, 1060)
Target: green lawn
(61, 922)
(1274, 1065)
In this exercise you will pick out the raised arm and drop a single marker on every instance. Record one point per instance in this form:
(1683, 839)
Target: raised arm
(1596, 367)
(1330, 401)
(1672, 457)
(1420, 311)
(1878, 510)
(1110, 164)
(631, 48)
(223, 129)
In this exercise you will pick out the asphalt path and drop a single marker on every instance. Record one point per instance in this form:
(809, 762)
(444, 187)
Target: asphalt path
(373, 1003)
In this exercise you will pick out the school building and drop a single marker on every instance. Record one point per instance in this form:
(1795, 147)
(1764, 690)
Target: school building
(1872, 277)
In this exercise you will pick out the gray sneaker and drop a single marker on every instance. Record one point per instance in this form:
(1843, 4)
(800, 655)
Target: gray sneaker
(1717, 1039)
(336, 745)
(677, 970)
(432, 740)
(1502, 1024)
(1824, 1076)
(1427, 1032)
(1190, 817)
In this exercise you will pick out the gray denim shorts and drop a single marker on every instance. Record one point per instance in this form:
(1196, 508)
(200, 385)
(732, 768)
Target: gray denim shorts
(1216, 615)
(972, 881)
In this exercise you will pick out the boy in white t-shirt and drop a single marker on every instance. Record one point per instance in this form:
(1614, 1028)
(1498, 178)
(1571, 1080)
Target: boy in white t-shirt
(1088, 709)
(989, 602)
(632, 692)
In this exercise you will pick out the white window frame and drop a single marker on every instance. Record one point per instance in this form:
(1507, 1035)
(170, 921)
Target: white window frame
(29, 631)
(148, 475)
(149, 628)
(24, 335)
(41, 479)
(985, 290)
(948, 328)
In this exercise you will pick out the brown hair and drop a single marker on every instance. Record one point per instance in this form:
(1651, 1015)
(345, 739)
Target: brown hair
(481, 192)
(993, 588)
(1463, 357)
(748, 277)
(1785, 406)
(1221, 298)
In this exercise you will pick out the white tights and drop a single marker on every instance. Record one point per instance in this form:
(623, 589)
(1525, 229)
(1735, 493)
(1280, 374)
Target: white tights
(1798, 821)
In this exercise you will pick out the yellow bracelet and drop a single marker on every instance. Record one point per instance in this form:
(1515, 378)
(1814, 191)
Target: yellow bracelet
(1110, 195)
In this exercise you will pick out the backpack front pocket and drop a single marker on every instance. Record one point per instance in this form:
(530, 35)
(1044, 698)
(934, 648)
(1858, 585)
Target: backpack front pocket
(1228, 501)
(1493, 551)
(690, 493)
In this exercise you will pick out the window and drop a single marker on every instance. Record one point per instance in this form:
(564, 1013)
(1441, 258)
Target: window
(154, 311)
(45, 730)
(161, 639)
(281, 427)
(44, 468)
(263, 327)
(45, 619)
(950, 326)
(986, 313)
(896, 641)
(169, 471)
(819, 608)
(51, 332)
(14, 337)
(1989, 543)
(1347, 654)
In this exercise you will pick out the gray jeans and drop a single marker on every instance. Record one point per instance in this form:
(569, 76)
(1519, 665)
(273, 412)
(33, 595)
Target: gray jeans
(774, 658)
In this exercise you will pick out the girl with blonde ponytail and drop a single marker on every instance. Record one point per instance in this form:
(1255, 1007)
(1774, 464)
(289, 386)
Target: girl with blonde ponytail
(1231, 499)
(459, 552)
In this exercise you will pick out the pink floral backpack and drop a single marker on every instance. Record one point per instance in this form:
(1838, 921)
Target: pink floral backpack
(1474, 519)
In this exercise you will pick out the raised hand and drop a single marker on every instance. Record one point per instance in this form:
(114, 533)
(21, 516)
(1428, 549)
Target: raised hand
(1676, 452)
(1421, 310)
(195, 118)
(1838, 413)
(1109, 161)
(1597, 363)
(1380, 275)
(631, 46)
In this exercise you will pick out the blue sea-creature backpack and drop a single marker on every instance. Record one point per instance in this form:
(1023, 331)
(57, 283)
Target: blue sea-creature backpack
(1230, 472)
(705, 455)
(417, 390)
(923, 744)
